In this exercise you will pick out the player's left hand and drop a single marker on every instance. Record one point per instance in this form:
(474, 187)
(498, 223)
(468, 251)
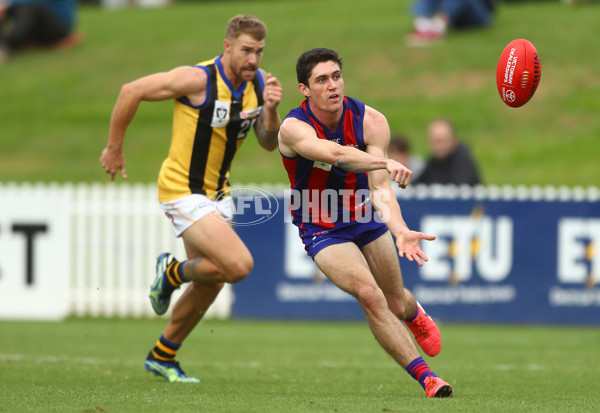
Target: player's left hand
(273, 91)
(408, 244)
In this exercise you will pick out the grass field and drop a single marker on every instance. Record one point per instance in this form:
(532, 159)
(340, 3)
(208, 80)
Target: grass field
(55, 106)
(93, 365)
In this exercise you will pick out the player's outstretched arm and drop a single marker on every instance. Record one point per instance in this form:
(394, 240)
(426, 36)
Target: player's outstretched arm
(377, 137)
(297, 137)
(182, 81)
(269, 121)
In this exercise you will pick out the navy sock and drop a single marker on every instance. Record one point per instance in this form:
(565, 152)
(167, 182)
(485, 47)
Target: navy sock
(419, 370)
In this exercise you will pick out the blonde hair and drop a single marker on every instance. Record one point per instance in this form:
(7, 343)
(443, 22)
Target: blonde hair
(246, 23)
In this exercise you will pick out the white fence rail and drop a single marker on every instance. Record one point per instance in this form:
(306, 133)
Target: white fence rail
(97, 244)
(115, 234)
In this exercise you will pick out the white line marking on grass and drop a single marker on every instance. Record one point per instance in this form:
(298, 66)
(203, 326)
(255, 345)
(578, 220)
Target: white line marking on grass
(128, 362)
(63, 359)
(40, 358)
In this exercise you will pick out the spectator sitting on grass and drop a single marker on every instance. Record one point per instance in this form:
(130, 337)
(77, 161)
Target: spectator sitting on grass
(434, 17)
(37, 23)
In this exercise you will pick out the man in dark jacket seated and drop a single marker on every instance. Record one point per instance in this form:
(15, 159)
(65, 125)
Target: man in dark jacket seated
(450, 161)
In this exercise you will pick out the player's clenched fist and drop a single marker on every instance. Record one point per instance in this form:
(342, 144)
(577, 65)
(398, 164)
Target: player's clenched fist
(399, 173)
(273, 91)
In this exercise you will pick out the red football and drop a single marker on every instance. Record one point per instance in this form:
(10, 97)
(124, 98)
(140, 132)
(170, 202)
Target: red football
(518, 73)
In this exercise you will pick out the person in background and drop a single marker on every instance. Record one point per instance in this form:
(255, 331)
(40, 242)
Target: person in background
(450, 162)
(400, 150)
(433, 18)
(37, 23)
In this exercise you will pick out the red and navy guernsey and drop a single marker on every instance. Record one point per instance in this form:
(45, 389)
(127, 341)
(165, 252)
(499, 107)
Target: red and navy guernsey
(323, 187)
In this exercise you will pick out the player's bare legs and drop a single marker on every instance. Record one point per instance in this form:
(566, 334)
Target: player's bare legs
(216, 255)
(346, 267)
(193, 302)
(383, 262)
(190, 309)
(229, 260)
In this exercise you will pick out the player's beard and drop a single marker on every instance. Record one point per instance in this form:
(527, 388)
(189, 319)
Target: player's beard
(248, 72)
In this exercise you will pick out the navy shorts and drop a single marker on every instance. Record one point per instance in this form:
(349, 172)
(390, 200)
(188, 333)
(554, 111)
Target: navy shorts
(316, 238)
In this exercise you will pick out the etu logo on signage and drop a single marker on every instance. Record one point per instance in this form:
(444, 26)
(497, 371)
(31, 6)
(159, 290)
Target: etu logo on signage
(578, 255)
(465, 243)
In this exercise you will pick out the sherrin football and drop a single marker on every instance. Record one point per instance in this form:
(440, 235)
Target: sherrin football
(518, 73)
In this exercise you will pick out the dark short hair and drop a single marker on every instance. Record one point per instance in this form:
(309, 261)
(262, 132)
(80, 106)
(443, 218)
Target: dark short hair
(309, 59)
(246, 23)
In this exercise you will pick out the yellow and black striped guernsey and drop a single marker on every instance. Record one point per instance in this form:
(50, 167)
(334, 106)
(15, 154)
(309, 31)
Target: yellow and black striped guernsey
(206, 137)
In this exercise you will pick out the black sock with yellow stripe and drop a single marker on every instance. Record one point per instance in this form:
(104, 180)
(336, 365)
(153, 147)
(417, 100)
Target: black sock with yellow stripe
(165, 350)
(174, 277)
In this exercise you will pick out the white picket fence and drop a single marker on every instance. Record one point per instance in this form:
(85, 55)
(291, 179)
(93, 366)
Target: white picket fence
(118, 230)
(115, 232)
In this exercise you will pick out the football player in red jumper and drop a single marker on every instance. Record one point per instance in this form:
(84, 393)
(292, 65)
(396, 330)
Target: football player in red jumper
(334, 150)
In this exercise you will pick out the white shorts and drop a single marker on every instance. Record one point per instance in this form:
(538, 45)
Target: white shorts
(184, 212)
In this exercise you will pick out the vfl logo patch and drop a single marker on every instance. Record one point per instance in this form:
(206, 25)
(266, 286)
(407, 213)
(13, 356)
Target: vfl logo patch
(220, 114)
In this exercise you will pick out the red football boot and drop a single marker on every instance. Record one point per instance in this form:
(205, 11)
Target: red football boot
(426, 333)
(436, 387)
